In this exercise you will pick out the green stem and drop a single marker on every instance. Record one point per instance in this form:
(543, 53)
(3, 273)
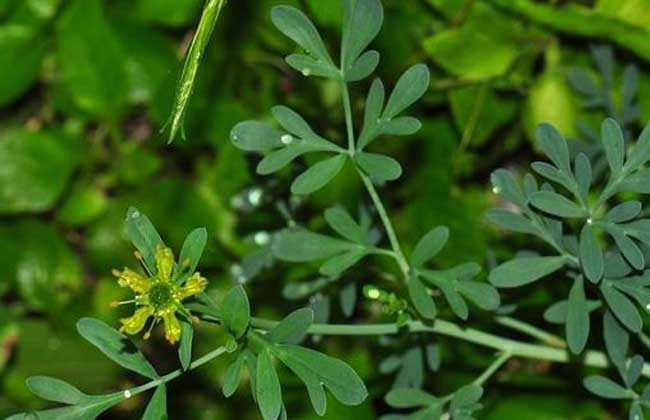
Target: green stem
(515, 348)
(491, 370)
(543, 336)
(388, 226)
(176, 373)
(347, 107)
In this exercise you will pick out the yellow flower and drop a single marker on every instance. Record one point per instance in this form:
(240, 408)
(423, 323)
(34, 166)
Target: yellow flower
(159, 296)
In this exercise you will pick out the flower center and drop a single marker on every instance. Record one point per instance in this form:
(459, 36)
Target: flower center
(160, 295)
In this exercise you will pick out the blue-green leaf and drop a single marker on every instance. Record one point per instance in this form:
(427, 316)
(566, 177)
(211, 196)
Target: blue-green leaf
(522, 271)
(235, 311)
(144, 237)
(317, 176)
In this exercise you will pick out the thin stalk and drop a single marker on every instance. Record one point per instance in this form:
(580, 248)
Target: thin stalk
(388, 226)
(541, 335)
(493, 368)
(516, 348)
(349, 125)
(176, 373)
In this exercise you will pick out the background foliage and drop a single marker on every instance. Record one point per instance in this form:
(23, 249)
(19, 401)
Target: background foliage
(86, 85)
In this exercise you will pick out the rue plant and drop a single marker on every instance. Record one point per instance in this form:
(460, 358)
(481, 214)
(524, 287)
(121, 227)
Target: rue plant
(594, 241)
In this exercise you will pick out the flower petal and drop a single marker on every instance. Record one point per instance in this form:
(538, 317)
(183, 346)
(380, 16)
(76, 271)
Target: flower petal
(193, 286)
(164, 262)
(135, 281)
(172, 327)
(135, 323)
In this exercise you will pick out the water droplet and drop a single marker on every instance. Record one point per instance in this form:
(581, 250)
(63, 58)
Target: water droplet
(287, 139)
(236, 270)
(648, 306)
(127, 394)
(590, 221)
(306, 72)
(496, 190)
(135, 214)
(255, 197)
(235, 137)
(262, 238)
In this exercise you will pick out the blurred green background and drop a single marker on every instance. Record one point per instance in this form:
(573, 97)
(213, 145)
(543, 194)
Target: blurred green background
(87, 85)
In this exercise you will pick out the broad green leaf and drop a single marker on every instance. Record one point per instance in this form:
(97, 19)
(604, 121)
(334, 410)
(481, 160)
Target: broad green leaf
(193, 249)
(235, 311)
(591, 254)
(550, 98)
(554, 146)
(522, 271)
(293, 328)
(36, 167)
(556, 204)
(301, 246)
(91, 61)
(317, 370)
(614, 145)
(362, 23)
(342, 223)
(379, 168)
(577, 321)
(363, 67)
(195, 53)
(169, 13)
(52, 389)
(255, 136)
(429, 246)
(318, 175)
(144, 237)
(409, 88)
(296, 26)
(267, 387)
(623, 212)
(84, 204)
(20, 62)
(483, 295)
(157, 407)
(339, 263)
(232, 377)
(511, 221)
(505, 184)
(606, 388)
(410, 398)
(185, 348)
(115, 346)
(622, 307)
(421, 298)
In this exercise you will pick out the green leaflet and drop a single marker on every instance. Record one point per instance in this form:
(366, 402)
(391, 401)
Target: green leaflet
(52, 389)
(429, 245)
(522, 271)
(605, 388)
(193, 249)
(144, 237)
(267, 389)
(317, 370)
(235, 311)
(292, 329)
(591, 255)
(556, 204)
(185, 348)
(614, 145)
(421, 299)
(362, 22)
(300, 246)
(209, 18)
(577, 320)
(379, 168)
(157, 407)
(317, 176)
(115, 346)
